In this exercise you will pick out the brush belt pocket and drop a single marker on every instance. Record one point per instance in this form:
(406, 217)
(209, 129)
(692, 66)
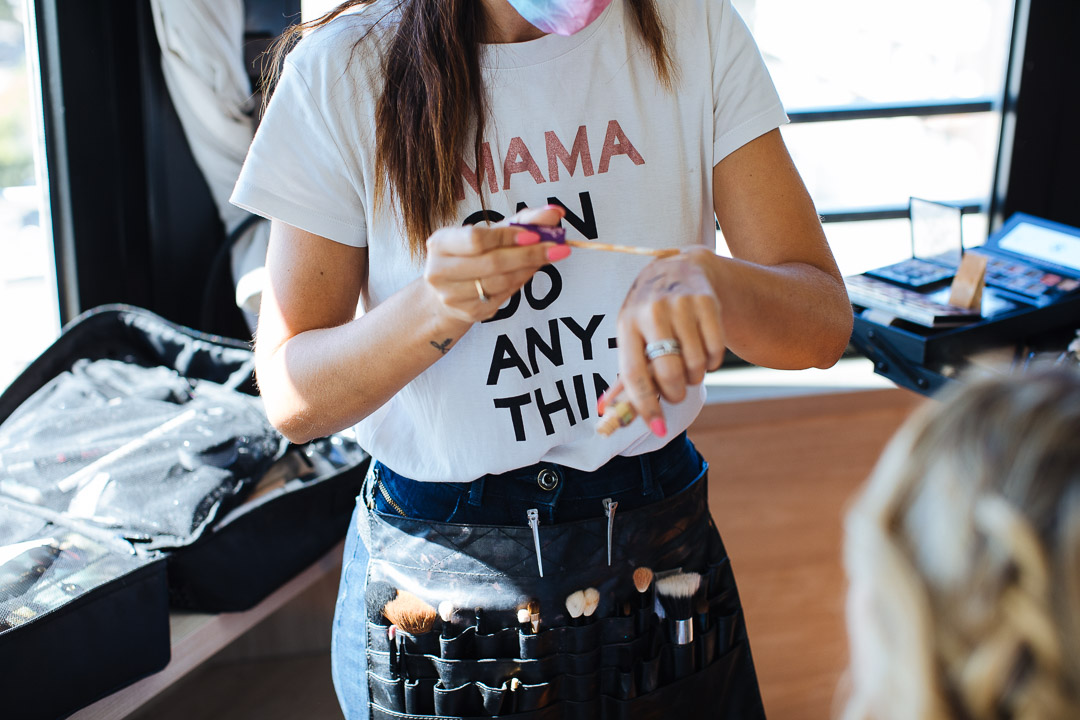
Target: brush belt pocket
(624, 661)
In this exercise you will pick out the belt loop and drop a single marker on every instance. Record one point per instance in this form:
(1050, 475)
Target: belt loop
(476, 492)
(647, 484)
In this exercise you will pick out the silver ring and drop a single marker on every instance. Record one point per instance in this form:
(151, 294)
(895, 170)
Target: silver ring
(480, 291)
(660, 348)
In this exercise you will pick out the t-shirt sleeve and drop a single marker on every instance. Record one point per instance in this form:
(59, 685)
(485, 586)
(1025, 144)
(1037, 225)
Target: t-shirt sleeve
(745, 102)
(296, 170)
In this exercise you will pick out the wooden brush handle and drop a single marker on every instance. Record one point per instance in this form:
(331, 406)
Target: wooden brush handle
(633, 250)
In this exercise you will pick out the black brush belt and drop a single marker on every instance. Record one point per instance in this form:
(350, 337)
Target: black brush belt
(632, 658)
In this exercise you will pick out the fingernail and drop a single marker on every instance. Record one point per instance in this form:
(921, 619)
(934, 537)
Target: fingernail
(557, 208)
(658, 427)
(557, 252)
(601, 405)
(527, 237)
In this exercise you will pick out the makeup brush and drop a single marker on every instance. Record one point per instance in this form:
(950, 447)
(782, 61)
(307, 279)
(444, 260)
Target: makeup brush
(391, 636)
(534, 615)
(446, 614)
(575, 606)
(411, 614)
(592, 601)
(524, 618)
(676, 594)
(557, 235)
(619, 415)
(643, 577)
(701, 613)
(377, 596)
(478, 614)
(515, 688)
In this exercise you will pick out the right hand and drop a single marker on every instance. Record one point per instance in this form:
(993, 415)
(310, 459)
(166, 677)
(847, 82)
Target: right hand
(501, 257)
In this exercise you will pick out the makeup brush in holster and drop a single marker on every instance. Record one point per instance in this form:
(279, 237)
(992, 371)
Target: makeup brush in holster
(414, 619)
(676, 595)
(646, 598)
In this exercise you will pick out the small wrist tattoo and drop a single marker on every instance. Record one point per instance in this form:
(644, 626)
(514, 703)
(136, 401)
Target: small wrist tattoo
(442, 347)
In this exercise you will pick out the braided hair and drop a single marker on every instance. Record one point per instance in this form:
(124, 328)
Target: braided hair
(963, 552)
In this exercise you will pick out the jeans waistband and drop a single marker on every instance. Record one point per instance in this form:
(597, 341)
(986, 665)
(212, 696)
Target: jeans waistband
(556, 491)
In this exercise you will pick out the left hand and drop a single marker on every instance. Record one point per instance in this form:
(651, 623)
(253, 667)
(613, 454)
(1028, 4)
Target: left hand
(671, 299)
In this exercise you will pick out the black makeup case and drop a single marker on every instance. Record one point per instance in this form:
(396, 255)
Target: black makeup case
(138, 472)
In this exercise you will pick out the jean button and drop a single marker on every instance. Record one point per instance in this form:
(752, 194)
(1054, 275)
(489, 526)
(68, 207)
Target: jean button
(547, 479)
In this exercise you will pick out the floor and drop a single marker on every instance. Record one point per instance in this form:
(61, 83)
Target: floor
(781, 475)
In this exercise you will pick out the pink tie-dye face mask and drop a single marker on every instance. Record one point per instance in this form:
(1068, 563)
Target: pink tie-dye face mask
(562, 17)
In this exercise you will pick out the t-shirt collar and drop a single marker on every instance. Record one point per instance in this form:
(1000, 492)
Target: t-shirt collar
(501, 56)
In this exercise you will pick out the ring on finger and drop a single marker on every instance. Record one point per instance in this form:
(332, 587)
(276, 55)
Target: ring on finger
(660, 348)
(480, 291)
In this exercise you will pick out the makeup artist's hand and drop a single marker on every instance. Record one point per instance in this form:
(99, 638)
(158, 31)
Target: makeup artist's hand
(472, 270)
(671, 299)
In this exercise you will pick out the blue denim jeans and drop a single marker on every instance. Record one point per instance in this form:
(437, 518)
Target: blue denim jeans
(561, 494)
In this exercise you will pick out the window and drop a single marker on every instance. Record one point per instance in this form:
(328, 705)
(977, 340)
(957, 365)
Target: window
(29, 311)
(888, 101)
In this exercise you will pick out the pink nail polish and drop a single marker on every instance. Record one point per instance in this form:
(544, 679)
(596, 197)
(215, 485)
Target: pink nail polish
(601, 405)
(558, 252)
(557, 208)
(658, 427)
(527, 237)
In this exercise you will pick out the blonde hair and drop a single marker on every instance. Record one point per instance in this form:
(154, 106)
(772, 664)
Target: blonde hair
(963, 552)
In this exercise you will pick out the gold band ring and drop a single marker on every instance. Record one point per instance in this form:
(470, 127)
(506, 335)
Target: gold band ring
(480, 291)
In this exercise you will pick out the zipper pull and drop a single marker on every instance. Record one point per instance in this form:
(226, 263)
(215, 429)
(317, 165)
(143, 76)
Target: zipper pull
(609, 510)
(534, 522)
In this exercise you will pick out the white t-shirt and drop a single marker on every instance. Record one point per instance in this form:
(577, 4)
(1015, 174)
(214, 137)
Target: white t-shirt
(580, 120)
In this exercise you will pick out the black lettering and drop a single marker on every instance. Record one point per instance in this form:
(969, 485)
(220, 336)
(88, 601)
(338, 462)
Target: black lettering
(547, 410)
(482, 216)
(515, 404)
(586, 224)
(584, 334)
(553, 292)
(505, 357)
(582, 401)
(508, 309)
(552, 351)
(599, 384)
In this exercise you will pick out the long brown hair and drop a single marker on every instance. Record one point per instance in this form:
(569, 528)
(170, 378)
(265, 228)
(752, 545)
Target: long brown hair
(433, 93)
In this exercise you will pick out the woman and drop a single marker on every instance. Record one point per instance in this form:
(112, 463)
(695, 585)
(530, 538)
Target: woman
(964, 558)
(401, 139)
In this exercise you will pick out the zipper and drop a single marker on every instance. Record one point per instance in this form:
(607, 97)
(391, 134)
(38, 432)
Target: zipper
(534, 522)
(609, 510)
(389, 500)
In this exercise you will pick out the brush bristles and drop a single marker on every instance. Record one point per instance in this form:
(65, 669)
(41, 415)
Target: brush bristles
(446, 611)
(592, 601)
(575, 604)
(642, 579)
(524, 616)
(377, 596)
(411, 614)
(676, 593)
